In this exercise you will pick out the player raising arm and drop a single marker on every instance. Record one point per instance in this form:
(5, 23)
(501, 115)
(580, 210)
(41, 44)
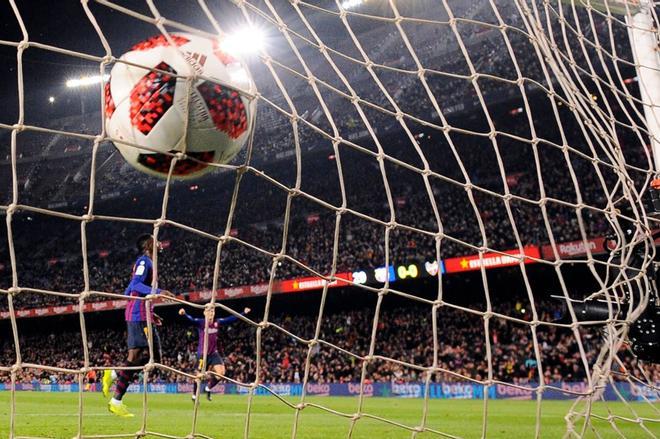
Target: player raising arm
(214, 361)
(137, 329)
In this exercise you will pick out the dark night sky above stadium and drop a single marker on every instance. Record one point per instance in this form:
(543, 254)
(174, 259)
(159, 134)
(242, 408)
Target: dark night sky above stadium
(64, 24)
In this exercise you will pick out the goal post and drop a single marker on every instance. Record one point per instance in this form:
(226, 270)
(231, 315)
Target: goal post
(497, 148)
(644, 41)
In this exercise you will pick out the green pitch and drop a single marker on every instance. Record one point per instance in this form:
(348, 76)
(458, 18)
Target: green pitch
(55, 415)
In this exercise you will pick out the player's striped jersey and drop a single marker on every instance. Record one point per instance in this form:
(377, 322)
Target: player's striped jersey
(140, 285)
(212, 344)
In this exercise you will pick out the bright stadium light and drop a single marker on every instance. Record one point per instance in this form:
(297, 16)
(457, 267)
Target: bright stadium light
(51, 99)
(85, 81)
(245, 41)
(350, 4)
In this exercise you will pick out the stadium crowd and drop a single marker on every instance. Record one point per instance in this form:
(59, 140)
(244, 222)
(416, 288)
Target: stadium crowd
(403, 334)
(54, 263)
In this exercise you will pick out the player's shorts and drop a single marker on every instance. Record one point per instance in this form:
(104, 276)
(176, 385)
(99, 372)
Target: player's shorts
(212, 359)
(138, 336)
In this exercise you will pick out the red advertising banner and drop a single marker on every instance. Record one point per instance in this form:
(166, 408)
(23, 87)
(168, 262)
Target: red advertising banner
(284, 286)
(312, 283)
(572, 249)
(490, 260)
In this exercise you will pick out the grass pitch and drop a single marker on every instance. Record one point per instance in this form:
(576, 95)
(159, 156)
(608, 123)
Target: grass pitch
(56, 415)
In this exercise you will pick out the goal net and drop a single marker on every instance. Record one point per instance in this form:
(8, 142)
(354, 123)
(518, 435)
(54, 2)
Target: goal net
(502, 150)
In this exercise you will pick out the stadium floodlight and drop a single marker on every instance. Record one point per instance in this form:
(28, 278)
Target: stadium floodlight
(350, 4)
(245, 41)
(86, 80)
(51, 99)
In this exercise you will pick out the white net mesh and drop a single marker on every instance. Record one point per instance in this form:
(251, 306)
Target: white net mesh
(476, 128)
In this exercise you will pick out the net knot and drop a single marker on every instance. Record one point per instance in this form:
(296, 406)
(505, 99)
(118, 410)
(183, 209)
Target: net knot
(300, 406)
(18, 127)
(108, 59)
(11, 209)
(23, 45)
(14, 290)
(87, 218)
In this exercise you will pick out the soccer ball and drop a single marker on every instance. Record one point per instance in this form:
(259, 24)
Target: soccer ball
(161, 110)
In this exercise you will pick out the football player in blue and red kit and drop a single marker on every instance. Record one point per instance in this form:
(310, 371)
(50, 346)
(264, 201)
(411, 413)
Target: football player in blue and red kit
(136, 323)
(214, 361)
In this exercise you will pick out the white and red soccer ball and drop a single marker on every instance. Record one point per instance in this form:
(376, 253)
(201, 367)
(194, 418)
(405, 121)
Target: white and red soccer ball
(148, 107)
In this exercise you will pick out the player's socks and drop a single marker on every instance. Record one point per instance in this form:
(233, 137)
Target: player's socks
(212, 382)
(109, 376)
(124, 377)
